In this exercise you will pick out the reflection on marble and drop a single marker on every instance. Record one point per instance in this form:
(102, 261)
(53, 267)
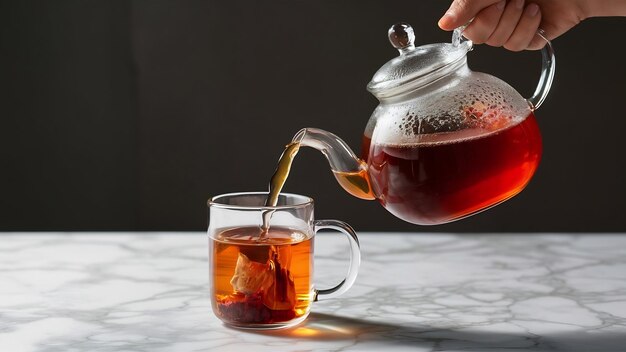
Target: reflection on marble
(415, 292)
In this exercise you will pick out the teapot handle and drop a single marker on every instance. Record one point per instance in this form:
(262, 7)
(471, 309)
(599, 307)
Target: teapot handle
(548, 67)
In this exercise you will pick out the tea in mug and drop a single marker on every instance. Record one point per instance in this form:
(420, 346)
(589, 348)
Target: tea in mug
(261, 276)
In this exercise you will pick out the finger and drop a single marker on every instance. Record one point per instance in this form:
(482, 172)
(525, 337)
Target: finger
(508, 22)
(485, 23)
(525, 30)
(461, 12)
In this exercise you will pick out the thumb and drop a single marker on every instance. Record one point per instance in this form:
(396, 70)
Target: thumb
(461, 12)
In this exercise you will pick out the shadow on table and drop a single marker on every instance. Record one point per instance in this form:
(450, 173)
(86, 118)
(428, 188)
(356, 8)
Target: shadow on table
(327, 327)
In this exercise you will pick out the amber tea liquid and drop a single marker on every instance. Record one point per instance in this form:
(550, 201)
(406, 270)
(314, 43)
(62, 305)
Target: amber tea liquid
(434, 183)
(261, 279)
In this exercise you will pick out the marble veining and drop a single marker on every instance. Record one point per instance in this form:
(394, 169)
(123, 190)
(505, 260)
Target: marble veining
(415, 292)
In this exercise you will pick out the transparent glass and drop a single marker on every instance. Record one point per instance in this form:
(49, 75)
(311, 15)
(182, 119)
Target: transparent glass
(264, 280)
(445, 142)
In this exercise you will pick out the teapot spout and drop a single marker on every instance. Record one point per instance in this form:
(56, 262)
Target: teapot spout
(349, 171)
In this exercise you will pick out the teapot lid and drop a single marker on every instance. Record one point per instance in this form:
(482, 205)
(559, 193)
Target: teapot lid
(414, 64)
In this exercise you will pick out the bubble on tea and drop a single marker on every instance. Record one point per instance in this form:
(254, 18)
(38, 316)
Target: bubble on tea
(475, 109)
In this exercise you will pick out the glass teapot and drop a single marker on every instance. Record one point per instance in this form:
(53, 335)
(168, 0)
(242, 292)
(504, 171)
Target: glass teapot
(445, 142)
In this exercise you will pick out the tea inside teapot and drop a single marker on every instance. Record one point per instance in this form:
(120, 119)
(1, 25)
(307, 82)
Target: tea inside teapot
(438, 181)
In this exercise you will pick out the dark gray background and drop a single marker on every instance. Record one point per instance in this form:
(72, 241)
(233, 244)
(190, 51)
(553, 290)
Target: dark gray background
(128, 115)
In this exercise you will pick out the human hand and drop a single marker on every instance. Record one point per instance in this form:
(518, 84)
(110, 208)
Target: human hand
(513, 23)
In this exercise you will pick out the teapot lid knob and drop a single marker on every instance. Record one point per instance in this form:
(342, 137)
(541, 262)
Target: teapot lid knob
(402, 37)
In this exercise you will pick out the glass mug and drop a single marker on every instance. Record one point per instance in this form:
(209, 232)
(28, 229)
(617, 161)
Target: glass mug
(263, 279)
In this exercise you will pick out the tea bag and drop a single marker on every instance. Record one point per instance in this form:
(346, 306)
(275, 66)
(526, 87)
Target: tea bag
(250, 276)
(281, 294)
(271, 279)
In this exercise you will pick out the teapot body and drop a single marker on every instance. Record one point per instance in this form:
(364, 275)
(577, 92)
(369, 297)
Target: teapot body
(451, 148)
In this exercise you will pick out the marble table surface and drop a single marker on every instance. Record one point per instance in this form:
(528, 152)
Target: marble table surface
(415, 292)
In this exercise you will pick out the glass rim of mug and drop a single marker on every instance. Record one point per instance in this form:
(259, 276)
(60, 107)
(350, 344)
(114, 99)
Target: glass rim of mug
(214, 202)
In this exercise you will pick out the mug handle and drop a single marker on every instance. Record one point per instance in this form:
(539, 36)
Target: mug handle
(355, 258)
